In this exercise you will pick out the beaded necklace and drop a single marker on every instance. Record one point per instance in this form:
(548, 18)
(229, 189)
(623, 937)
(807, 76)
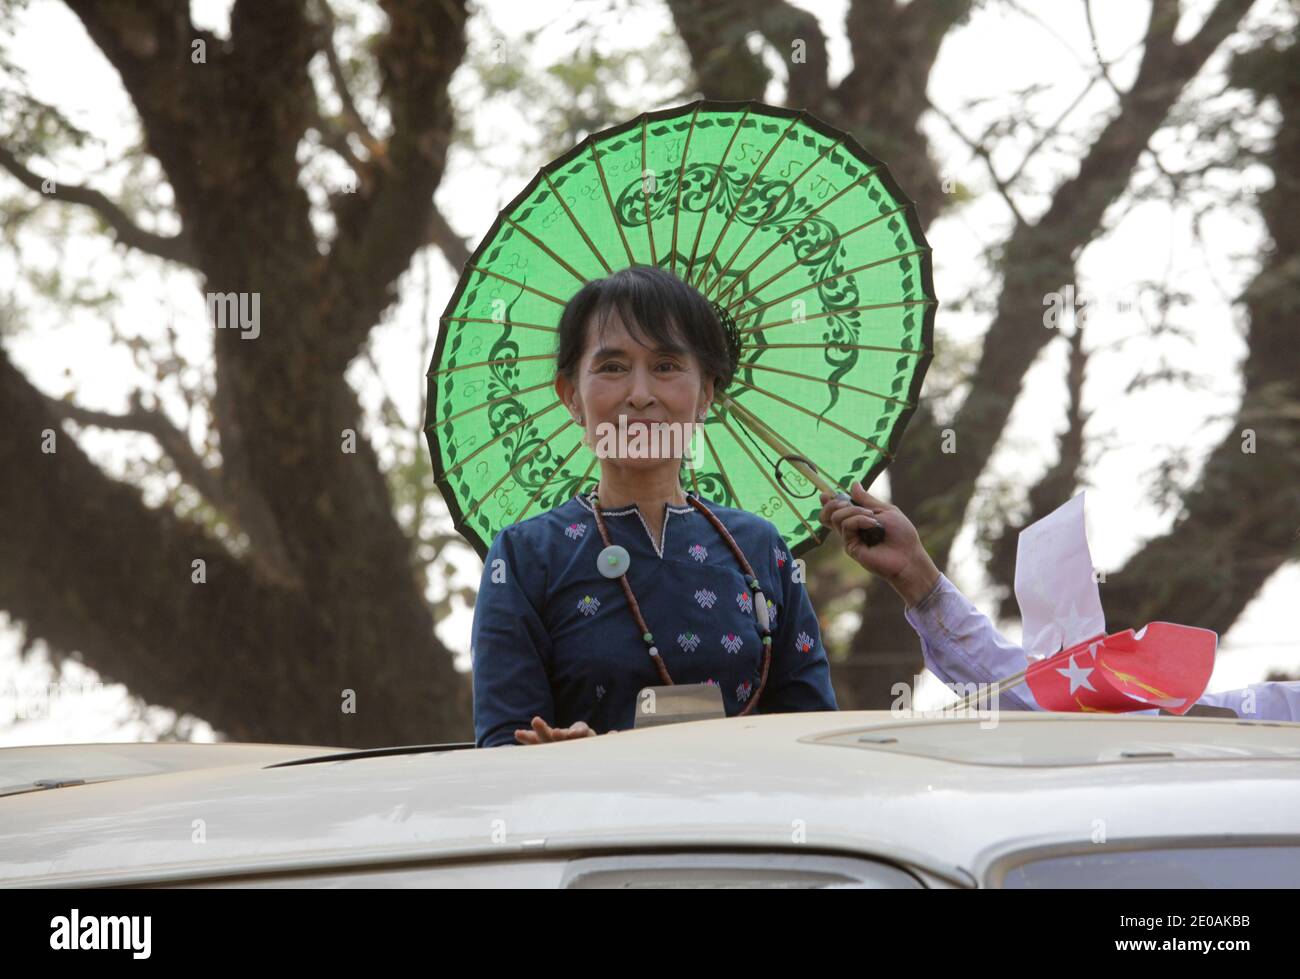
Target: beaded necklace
(760, 602)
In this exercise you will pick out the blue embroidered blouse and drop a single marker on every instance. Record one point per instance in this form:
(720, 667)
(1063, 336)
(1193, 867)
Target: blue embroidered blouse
(554, 637)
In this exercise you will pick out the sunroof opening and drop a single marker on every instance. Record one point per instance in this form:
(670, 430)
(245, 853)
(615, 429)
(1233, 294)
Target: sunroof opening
(1072, 741)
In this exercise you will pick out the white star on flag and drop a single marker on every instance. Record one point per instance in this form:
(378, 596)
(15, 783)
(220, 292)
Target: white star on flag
(1078, 676)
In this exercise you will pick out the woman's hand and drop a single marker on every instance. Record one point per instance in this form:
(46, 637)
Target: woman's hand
(900, 558)
(544, 732)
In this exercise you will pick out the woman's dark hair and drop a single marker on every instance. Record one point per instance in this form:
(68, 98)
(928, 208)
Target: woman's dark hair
(650, 301)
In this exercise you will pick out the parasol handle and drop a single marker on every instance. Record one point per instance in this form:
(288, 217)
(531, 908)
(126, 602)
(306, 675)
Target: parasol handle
(871, 536)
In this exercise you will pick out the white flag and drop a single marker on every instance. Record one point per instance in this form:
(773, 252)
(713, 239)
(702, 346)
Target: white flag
(1060, 603)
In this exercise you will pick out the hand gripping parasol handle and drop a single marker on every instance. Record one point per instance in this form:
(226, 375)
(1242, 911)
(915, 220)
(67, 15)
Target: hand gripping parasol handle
(871, 536)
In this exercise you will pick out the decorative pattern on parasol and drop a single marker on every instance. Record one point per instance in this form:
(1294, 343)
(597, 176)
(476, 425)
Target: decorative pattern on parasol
(790, 225)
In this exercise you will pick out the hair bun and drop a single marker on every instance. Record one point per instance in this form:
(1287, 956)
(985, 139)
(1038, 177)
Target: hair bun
(732, 333)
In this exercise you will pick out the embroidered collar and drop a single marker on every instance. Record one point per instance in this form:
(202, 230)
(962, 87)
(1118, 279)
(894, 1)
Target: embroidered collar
(633, 508)
(658, 545)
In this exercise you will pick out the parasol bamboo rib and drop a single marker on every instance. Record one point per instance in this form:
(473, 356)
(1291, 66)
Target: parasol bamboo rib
(717, 178)
(613, 212)
(763, 469)
(785, 237)
(582, 279)
(821, 383)
(515, 468)
(560, 468)
(497, 323)
(771, 209)
(581, 230)
(509, 431)
(681, 173)
(803, 259)
(745, 193)
(836, 312)
(779, 445)
(836, 425)
(645, 196)
(820, 282)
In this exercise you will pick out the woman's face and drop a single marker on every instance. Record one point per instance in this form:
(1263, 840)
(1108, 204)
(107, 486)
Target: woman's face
(618, 376)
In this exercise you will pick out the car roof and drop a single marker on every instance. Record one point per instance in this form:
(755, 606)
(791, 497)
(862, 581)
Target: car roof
(24, 767)
(938, 793)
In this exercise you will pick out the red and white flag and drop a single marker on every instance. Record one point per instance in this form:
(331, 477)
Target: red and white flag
(1161, 665)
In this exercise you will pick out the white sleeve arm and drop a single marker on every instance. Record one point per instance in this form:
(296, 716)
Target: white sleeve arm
(962, 646)
(1273, 700)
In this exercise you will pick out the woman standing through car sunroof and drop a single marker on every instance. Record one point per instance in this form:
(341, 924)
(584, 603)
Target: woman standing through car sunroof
(559, 649)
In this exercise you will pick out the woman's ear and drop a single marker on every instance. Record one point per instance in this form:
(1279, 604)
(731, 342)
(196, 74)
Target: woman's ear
(708, 395)
(564, 390)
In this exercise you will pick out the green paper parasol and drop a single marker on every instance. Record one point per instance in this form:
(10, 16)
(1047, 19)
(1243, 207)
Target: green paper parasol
(792, 226)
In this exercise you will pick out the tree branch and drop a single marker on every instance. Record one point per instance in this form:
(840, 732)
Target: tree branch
(454, 248)
(227, 133)
(894, 48)
(116, 579)
(807, 83)
(1240, 525)
(335, 137)
(356, 124)
(714, 34)
(176, 248)
(1096, 49)
(980, 150)
(935, 487)
(1039, 258)
(379, 232)
(153, 422)
(1059, 483)
(927, 25)
(179, 102)
(247, 513)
